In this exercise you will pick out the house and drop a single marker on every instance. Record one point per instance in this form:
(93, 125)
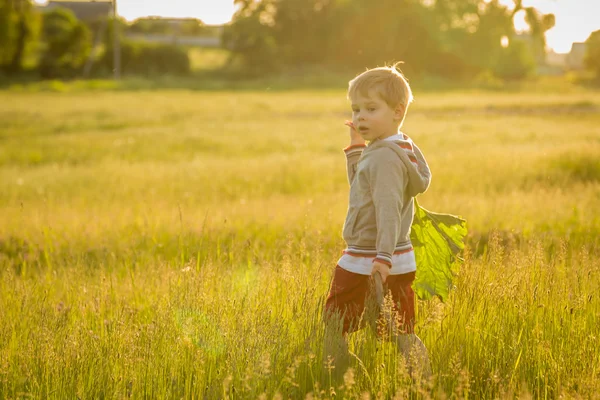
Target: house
(555, 59)
(575, 58)
(86, 11)
(177, 23)
(178, 31)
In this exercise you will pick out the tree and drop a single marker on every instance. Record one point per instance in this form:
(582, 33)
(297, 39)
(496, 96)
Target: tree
(592, 54)
(18, 31)
(481, 48)
(66, 43)
(7, 32)
(474, 29)
(539, 24)
(250, 37)
(302, 29)
(367, 33)
(451, 38)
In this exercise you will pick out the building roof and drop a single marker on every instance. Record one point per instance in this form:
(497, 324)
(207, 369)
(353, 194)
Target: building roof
(84, 10)
(576, 56)
(578, 47)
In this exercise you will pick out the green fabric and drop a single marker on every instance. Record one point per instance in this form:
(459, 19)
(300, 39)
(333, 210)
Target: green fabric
(438, 240)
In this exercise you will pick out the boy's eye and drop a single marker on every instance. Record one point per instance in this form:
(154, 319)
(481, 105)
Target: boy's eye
(371, 108)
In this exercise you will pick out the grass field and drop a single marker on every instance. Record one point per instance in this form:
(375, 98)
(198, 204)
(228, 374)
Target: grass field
(179, 244)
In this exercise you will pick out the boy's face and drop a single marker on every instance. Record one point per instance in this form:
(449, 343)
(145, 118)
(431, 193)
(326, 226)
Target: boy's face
(373, 117)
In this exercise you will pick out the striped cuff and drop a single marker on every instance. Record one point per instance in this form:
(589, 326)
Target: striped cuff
(355, 147)
(384, 259)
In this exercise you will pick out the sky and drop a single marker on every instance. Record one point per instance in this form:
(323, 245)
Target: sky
(575, 19)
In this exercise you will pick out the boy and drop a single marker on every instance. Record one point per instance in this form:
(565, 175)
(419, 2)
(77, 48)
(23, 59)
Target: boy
(384, 177)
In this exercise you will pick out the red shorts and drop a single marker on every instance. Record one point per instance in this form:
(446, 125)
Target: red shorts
(349, 293)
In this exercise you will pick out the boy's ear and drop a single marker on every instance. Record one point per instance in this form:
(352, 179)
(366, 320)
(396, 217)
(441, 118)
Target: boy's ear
(399, 111)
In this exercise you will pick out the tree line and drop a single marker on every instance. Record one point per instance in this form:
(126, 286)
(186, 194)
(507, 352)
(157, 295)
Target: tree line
(453, 39)
(449, 38)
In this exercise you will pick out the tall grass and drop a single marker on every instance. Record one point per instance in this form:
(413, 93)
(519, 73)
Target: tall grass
(180, 244)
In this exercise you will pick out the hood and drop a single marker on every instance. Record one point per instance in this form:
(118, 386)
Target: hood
(419, 174)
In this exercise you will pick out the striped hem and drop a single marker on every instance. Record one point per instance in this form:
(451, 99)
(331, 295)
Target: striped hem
(401, 264)
(373, 253)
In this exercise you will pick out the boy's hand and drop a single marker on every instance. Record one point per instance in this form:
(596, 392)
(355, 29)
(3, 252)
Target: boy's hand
(383, 269)
(355, 137)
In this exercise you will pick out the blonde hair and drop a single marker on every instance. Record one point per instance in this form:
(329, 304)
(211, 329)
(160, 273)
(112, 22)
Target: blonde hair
(388, 81)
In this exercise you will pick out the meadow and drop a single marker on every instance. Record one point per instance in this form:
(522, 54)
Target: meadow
(180, 243)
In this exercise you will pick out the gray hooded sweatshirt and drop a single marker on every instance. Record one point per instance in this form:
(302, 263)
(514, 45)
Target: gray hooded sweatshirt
(384, 178)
